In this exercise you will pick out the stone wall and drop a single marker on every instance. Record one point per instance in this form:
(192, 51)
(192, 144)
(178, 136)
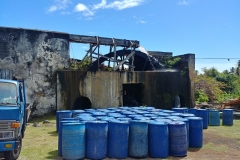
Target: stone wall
(105, 89)
(34, 56)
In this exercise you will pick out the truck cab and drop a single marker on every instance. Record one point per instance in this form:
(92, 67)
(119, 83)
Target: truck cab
(13, 117)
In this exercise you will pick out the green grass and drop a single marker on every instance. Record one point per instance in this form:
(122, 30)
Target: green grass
(40, 142)
(232, 132)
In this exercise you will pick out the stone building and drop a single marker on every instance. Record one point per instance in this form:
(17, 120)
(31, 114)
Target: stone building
(42, 59)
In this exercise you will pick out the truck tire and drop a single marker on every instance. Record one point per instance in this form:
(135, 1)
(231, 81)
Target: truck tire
(14, 154)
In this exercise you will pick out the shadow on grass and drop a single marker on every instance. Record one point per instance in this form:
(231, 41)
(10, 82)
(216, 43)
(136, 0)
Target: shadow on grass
(53, 133)
(193, 149)
(53, 155)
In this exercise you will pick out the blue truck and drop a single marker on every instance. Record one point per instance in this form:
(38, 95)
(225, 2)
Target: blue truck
(13, 117)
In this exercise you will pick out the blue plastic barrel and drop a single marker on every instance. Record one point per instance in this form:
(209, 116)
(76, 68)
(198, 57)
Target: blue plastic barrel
(203, 113)
(168, 111)
(76, 112)
(142, 118)
(60, 132)
(213, 118)
(195, 132)
(97, 113)
(96, 141)
(62, 114)
(138, 138)
(124, 119)
(73, 141)
(177, 138)
(187, 115)
(180, 110)
(158, 139)
(107, 118)
(161, 114)
(227, 117)
(187, 126)
(173, 118)
(118, 132)
(192, 111)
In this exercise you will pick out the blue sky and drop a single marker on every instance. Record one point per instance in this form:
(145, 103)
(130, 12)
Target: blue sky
(207, 28)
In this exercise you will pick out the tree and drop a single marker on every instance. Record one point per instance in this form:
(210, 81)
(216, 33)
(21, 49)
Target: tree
(209, 86)
(212, 72)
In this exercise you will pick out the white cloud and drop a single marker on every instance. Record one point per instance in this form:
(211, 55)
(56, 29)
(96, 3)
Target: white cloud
(84, 9)
(183, 2)
(141, 21)
(100, 5)
(120, 5)
(59, 5)
(117, 5)
(52, 8)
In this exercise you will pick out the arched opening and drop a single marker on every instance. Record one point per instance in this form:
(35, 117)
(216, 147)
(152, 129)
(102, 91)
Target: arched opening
(82, 102)
(179, 101)
(182, 101)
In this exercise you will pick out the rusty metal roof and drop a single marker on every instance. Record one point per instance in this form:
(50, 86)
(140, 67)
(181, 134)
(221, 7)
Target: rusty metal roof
(234, 102)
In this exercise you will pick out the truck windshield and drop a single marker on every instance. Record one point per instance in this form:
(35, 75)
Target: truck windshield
(8, 94)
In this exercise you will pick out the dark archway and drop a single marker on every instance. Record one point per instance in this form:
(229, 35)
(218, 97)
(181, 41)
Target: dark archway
(82, 102)
(182, 101)
(132, 94)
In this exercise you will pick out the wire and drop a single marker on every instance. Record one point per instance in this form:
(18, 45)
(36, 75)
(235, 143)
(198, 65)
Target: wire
(217, 58)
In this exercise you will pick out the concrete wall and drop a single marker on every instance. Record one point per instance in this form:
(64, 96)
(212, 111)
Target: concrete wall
(105, 89)
(34, 56)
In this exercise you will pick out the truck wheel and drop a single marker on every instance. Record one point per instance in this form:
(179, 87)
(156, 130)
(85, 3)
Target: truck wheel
(14, 154)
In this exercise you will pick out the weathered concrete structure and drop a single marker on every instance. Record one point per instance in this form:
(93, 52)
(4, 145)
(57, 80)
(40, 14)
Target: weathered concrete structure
(42, 59)
(34, 56)
(110, 89)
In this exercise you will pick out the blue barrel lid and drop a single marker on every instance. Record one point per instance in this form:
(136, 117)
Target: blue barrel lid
(124, 119)
(66, 119)
(168, 111)
(194, 118)
(118, 121)
(92, 109)
(176, 114)
(69, 121)
(84, 115)
(99, 113)
(111, 108)
(227, 109)
(204, 110)
(158, 123)
(163, 114)
(150, 115)
(183, 119)
(87, 118)
(138, 121)
(58, 111)
(72, 123)
(107, 118)
(78, 111)
(187, 115)
(176, 123)
(96, 122)
(213, 110)
(127, 112)
(141, 118)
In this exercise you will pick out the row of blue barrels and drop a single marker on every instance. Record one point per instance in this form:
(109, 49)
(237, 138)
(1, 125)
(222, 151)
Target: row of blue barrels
(176, 148)
(164, 139)
(211, 117)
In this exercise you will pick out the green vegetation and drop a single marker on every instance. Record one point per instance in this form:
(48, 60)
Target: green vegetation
(215, 86)
(170, 62)
(83, 65)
